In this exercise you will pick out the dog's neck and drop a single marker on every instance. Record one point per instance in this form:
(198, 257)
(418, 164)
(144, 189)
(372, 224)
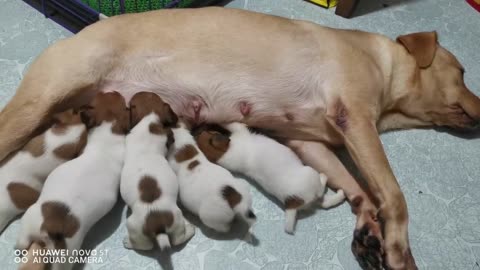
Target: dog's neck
(141, 140)
(402, 87)
(182, 136)
(102, 139)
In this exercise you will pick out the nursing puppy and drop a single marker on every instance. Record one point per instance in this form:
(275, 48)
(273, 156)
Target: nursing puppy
(148, 184)
(23, 174)
(207, 189)
(273, 165)
(79, 192)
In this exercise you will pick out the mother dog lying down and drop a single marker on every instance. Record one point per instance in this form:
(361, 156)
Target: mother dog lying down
(314, 86)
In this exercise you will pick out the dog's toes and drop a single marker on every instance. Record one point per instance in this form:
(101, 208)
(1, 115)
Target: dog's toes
(126, 243)
(367, 246)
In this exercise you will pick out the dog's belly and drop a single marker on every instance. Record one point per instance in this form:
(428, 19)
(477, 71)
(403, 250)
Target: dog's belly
(285, 101)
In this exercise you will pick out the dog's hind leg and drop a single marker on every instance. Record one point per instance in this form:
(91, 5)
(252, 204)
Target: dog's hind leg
(64, 75)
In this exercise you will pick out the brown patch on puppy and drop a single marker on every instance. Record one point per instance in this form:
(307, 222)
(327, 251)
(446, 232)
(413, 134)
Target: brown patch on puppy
(22, 196)
(72, 150)
(193, 164)
(185, 153)
(157, 222)
(231, 196)
(144, 103)
(293, 202)
(107, 107)
(213, 144)
(149, 189)
(64, 119)
(36, 146)
(156, 128)
(59, 223)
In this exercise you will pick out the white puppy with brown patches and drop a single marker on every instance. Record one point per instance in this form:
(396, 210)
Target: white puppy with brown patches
(148, 184)
(206, 189)
(274, 166)
(80, 192)
(22, 174)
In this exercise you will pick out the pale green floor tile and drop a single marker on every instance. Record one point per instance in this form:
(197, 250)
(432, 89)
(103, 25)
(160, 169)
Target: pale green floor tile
(445, 217)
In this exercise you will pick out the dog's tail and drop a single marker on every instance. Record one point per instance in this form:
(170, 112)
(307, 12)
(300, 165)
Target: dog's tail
(33, 259)
(290, 219)
(332, 200)
(163, 241)
(156, 225)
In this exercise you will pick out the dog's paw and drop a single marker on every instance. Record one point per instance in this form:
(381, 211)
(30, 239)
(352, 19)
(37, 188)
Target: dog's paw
(127, 243)
(367, 245)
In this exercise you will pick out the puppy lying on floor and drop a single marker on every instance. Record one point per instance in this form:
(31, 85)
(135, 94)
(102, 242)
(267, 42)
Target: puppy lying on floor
(206, 189)
(80, 192)
(273, 165)
(148, 184)
(22, 176)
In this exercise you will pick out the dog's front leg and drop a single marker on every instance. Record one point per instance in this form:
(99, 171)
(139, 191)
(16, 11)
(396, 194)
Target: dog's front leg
(368, 241)
(363, 143)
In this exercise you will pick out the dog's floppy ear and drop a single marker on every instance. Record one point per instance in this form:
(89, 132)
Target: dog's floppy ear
(87, 115)
(135, 116)
(220, 141)
(169, 118)
(422, 46)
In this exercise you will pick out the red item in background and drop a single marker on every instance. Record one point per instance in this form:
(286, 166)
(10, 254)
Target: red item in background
(475, 4)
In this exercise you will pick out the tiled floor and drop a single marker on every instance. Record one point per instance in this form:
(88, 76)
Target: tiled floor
(438, 172)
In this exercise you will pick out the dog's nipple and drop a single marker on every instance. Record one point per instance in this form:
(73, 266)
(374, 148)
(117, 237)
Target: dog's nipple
(245, 108)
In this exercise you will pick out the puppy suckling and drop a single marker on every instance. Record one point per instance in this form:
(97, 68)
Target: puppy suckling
(207, 189)
(273, 165)
(148, 184)
(81, 191)
(23, 174)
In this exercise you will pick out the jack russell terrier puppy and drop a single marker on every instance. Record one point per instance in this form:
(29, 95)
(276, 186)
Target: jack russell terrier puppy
(274, 166)
(23, 174)
(148, 184)
(206, 189)
(80, 192)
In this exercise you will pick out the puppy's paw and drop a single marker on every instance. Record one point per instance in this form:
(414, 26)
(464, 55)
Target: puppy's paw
(127, 243)
(189, 231)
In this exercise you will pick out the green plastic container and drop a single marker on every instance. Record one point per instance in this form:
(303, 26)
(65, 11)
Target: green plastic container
(112, 7)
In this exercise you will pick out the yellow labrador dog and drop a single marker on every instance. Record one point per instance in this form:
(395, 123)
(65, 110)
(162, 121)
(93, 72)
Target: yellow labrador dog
(312, 85)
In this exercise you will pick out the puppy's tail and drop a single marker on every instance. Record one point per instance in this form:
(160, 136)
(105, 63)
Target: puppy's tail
(332, 200)
(34, 260)
(163, 241)
(290, 219)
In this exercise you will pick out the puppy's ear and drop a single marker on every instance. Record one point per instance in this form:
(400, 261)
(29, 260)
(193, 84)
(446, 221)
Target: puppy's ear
(422, 46)
(125, 121)
(87, 114)
(135, 116)
(170, 138)
(169, 118)
(220, 142)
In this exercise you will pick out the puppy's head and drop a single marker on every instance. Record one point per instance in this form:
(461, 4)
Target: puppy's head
(107, 107)
(144, 103)
(212, 141)
(67, 118)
